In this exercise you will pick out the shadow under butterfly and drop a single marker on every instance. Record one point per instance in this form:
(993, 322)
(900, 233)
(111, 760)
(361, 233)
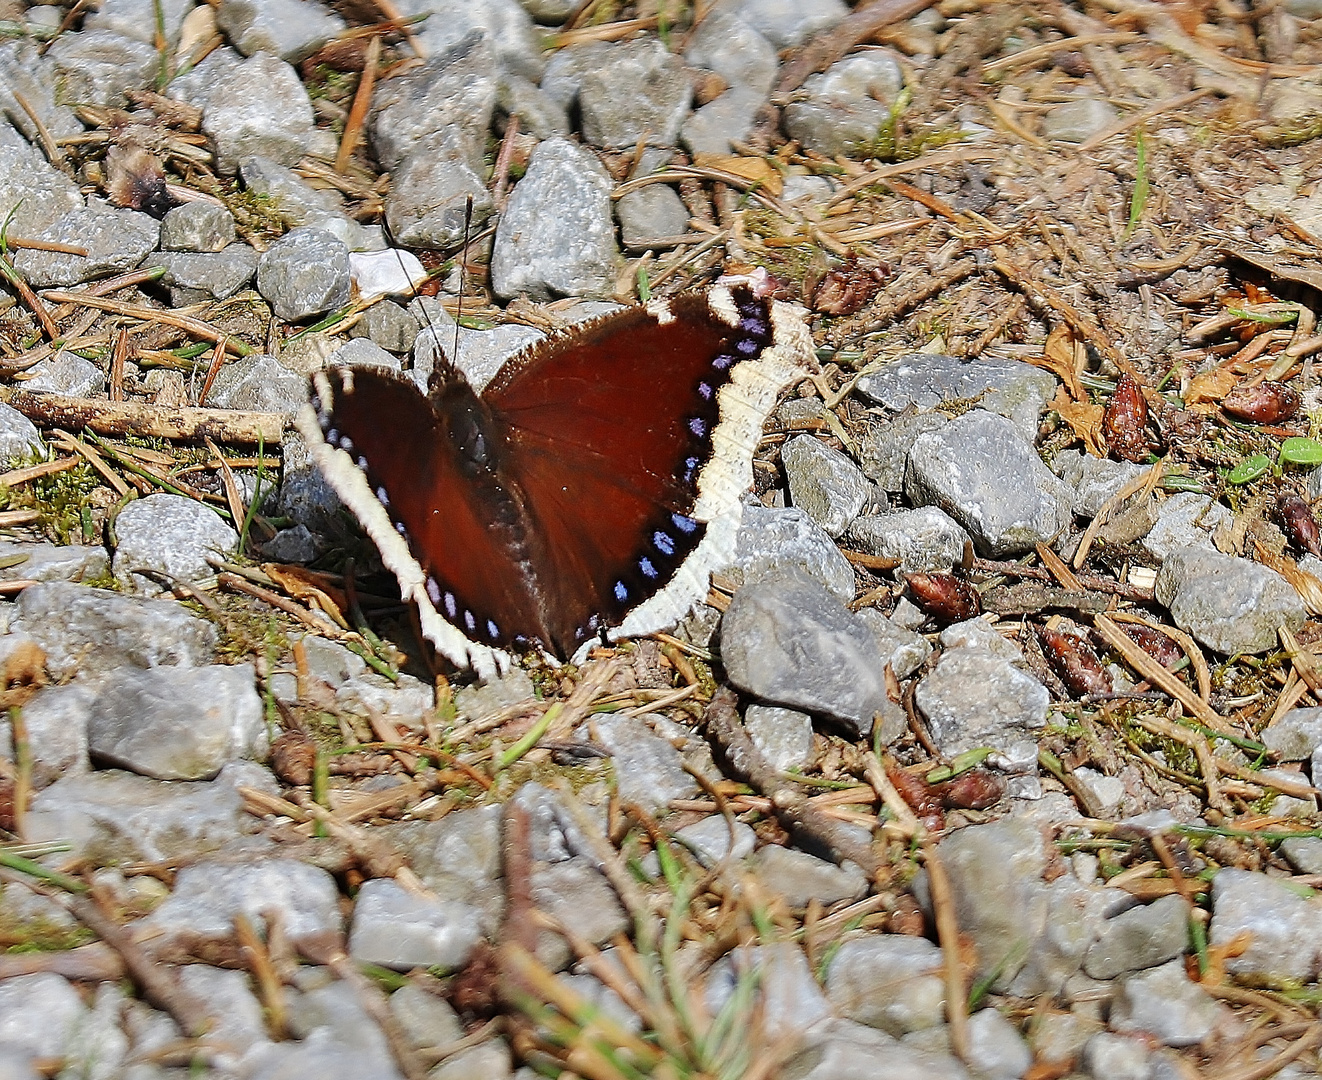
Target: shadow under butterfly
(591, 489)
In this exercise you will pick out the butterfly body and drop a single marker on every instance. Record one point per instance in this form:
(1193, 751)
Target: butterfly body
(589, 490)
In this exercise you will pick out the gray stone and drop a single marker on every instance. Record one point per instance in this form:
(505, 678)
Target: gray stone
(495, 695)
(259, 383)
(824, 483)
(726, 44)
(1295, 736)
(837, 130)
(115, 240)
(171, 534)
(557, 235)
(363, 353)
(638, 91)
(283, 193)
(901, 648)
(177, 723)
(1009, 388)
(426, 1019)
(980, 634)
(111, 816)
(787, 23)
(324, 1053)
(1107, 792)
(65, 373)
(1164, 1003)
(39, 1014)
(31, 189)
(718, 125)
(137, 18)
(648, 770)
(197, 226)
(974, 698)
(550, 12)
(800, 878)
(406, 698)
(1116, 1057)
(838, 1049)
(1304, 853)
(261, 110)
(980, 472)
(235, 1011)
(787, 641)
(649, 214)
(399, 929)
(1285, 947)
(456, 88)
(1058, 1037)
(1229, 604)
(1075, 121)
(1141, 937)
(304, 274)
(208, 895)
(99, 67)
(787, 996)
(576, 894)
(773, 541)
(540, 115)
(93, 630)
(457, 858)
(389, 325)
(212, 71)
(997, 1047)
(710, 840)
(1093, 480)
(922, 540)
(1185, 520)
(490, 1060)
(293, 545)
(480, 353)
(19, 437)
(784, 736)
(218, 274)
(27, 71)
(1075, 918)
(56, 720)
(291, 29)
(995, 876)
(430, 190)
(888, 981)
(500, 26)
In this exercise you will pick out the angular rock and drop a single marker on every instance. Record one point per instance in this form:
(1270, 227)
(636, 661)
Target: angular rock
(922, 540)
(99, 67)
(171, 534)
(1009, 388)
(1286, 943)
(65, 373)
(218, 275)
(1295, 736)
(1142, 937)
(56, 720)
(980, 472)
(889, 981)
(710, 840)
(576, 894)
(788, 997)
(824, 483)
(431, 189)
(800, 878)
(198, 227)
(720, 124)
(1075, 121)
(398, 929)
(557, 235)
(726, 44)
(638, 91)
(31, 189)
(114, 817)
(260, 110)
(1164, 1003)
(1185, 520)
(1229, 604)
(774, 541)
(784, 736)
(974, 698)
(648, 770)
(177, 723)
(899, 647)
(19, 437)
(500, 26)
(787, 641)
(259, 383)
(303, 274)
(90, 631)
(838, 1049)
(290, 29)
(115, 240)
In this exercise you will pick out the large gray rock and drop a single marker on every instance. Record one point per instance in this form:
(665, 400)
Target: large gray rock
(787, 641)
(171, 534)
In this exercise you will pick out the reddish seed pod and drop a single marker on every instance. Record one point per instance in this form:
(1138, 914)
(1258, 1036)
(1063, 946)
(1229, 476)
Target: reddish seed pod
(1266, 403)
(293, 757)
(976, 789)
(1125, 421)
(1074, 660)
(1153, 642)
(944, 596)
(920, 796)
(846, 288)
(1300, 525)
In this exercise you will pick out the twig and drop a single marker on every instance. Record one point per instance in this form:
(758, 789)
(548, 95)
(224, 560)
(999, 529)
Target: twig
(1149, 479)
(789, 805)
(30, 298)
(117, 358)
(1141, 117)
(362, 99)
(947, 933)
(14, 477)
(1202, 673)
(302, 614)
(149, 421)
(863, 24)
(160, 315)
(1158, 676)
(53, 153)
(69, 442)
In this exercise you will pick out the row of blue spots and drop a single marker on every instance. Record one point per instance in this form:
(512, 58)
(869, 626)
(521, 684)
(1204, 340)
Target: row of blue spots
(451, 606)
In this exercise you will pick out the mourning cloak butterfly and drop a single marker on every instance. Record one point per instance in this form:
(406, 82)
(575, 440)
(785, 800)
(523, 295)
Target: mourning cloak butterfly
(589, 491)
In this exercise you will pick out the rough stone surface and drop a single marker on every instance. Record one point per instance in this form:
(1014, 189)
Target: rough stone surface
(787, 641)
(305, 273)
(975, 698)
(170, 534)
(398, 929)
(824, 483)
(801, 878)
(1286, 928)
(922, 540)
(1229, 604)
(891, 982)
(648, 769)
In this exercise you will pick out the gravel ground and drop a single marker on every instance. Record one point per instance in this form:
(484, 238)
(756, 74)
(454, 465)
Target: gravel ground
(992, 753)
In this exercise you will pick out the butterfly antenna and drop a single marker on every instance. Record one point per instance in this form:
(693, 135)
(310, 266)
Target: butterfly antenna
(463, 262)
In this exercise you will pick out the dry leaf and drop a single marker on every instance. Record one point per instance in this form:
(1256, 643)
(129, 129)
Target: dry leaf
(1084, 419)
(303, 586)
(750, 168)
(1211, 386)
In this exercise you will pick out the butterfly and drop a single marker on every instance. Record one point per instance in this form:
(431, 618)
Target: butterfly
(586, 494)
